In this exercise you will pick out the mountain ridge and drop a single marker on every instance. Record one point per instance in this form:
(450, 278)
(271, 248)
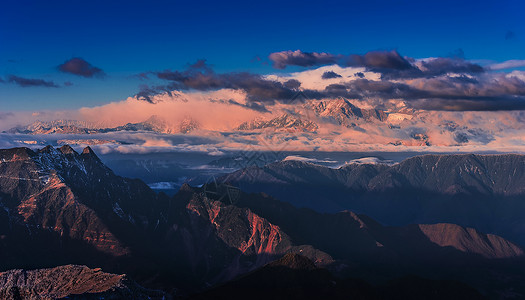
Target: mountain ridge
(59, 206)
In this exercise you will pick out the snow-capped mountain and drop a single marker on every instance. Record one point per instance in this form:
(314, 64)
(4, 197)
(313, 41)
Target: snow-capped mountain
(284, 121)
(56, 126)
(345, 113)
(152, 124)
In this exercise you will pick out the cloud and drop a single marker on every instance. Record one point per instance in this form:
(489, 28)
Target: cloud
(433, 67)
(442, 83)
(379, 60)
(30, 82)
(146, 92)
(250, 105)
(330, 75)
(509, 64)
(292, 84)
(307, 159)
(303, 59)
(78, 66)
(372, 60)
(456, 93)
(390, 64)
(258, 89)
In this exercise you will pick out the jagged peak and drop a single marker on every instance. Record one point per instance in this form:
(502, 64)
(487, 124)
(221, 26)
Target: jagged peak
(66, 149)
(88, 152)
(47, 149)
(186, 188)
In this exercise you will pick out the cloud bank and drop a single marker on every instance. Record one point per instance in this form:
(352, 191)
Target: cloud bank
(380, 101)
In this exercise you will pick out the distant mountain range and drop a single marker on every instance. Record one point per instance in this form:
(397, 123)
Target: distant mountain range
(61, 207)
(340, 111)
(349, 122)
(481, 191)
(285, 121)
(397, 125)
(152, 124)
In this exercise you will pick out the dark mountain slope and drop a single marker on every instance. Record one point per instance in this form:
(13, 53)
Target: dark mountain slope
(295, 277)
(62, 207)
(481, 191)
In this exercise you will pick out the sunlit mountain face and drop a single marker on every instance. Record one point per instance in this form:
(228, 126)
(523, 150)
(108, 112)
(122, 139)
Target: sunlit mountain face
(212, 150)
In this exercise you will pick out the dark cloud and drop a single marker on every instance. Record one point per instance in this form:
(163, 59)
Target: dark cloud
(509, 35)
(384, 90)
(377, 60)
(80, 67)
(475, 134)
(146, 92)
(443, 65)
(390, 64)
(432, 67)
(256, 87)
(495, 104)
(435, 84)
(380, 60)
(330, 75)
(303, 59)
(292, 84)
(68, 83)
(446, 93)
(340, 90)
(30, 82)
(250, 105)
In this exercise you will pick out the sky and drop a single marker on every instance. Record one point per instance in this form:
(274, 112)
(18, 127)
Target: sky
(71, 54)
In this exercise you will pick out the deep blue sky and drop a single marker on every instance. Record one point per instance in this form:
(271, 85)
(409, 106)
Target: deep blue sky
(126, 37)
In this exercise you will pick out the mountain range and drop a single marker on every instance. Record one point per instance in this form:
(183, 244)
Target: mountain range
(152, 124)
(60, 207)
(349, 122)
(339, 111)
(480, 191)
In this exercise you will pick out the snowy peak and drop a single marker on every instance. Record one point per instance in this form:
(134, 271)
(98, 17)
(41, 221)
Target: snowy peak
(284, 121)
(346, 113)
(55, 127)
(152, 124)
(188, 125)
